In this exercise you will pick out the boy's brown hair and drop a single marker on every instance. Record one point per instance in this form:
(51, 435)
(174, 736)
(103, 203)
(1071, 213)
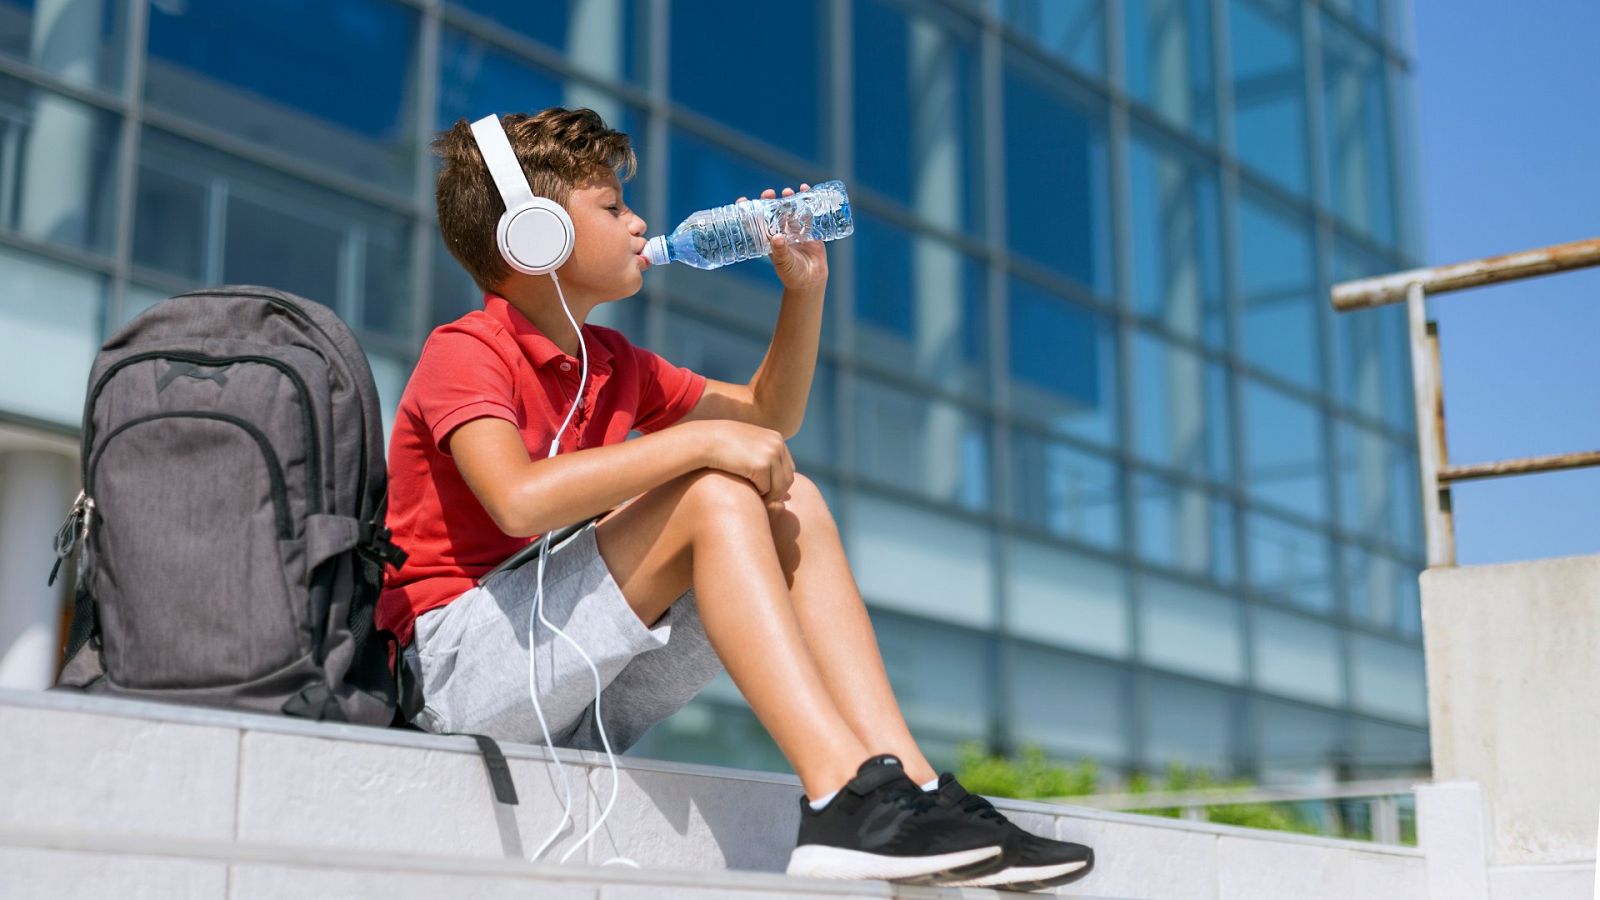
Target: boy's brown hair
(559, 149)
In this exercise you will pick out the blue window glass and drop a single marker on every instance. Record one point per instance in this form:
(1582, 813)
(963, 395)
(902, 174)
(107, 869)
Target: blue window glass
(58, 168)
(1180, 409)
(1372, 347)
(1290, 564)
(1269, 90)
(929, 447)
(1063, 364)
(1357, 148)
(918, 137)
(1387, 751)
(1192, 725)
(1072, 30)
(476, 79)
(942, 676)
(604, 37)
(727, 63)
(1191, 630)
(1382, 590)
(210, 218)
(1184, 528)
(50, 317)
(1170, 62)
(84, 44)
(920, 307)
(1298, 744)
(1387, 679)
(1065, 491)
(1367, 13)
(1067, 598)
(1298, 656)
(1285, 465)
(1057, 211)
(1279, 309)
(1177, 249)
(928, 564)
(1380, 491)
(1092, 720)
(343, 102)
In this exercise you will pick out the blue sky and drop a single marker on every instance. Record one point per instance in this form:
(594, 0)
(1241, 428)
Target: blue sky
(1509, 122)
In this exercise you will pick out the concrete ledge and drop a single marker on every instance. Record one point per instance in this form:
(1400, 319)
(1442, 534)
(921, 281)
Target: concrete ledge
(171, 795)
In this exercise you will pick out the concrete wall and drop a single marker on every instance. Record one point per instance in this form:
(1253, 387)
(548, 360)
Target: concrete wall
(1513, 658)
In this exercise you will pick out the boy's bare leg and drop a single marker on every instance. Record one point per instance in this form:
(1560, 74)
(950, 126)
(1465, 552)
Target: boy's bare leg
(712, 528)
(836, 627)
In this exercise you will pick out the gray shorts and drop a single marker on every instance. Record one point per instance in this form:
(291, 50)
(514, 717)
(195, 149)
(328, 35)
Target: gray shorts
(471, 656)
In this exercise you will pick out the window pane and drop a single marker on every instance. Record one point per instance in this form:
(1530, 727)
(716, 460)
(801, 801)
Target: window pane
(1073, 30)
(81, 43)
(1190, 630)
(1269, 90)
(1180, 409)
(1382, 590)
(920, 562)
(1284, 462)
(1388, 678)
(1063, 364)
(604, 37)
(920, 307)
(1060, 596)
(1355, 106)
(1184, 528)
(1090, 720)
(1169, 60)
(1298, 657)
(1057, 211)
(210, 218)
(58, 168)
(1391, 750)
(1298, 745)
(1290, 564)
(1066, 491)
(917, 444)
(1279, 308)
(1380, 494)
(1192, 725)
(49, 335)
(917, 87)
(1177, 255)
(941, 675)
(344, 102)
(723, 66)
(1373, 347)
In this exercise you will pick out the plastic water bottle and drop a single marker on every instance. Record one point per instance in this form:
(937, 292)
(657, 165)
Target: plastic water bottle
(728, 234)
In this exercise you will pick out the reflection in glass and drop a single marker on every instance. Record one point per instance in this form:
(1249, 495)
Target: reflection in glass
(1066, 491)
(83, 44)
(1073, 30)
(1169, 60)
(1298, 657)
(1269, 90)
(1177, 251)
(1180, 409)
(1388, 678)
(1063, 597)
(49, 335)
(1063, 364)
(1372, 347)
(1298, 745)
(344, 102)
(1387, 751)
(1355, 106)
(941, 675)
(603, 37)
(1192, 725)
(1057, 207)
(58, 172)
(920, 562)
(1184, 528)
(920, 307)
(929, 447)
(1284, 460)
(1380, 493)
(917, 138)
(1289, 564)
(1191, 630)
(1090, 720)
(1279, 308)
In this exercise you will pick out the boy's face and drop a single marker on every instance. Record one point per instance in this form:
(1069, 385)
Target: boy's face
(605, 263)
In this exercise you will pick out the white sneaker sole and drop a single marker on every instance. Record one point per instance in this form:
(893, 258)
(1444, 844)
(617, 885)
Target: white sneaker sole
(818, 861)
(1020, 875)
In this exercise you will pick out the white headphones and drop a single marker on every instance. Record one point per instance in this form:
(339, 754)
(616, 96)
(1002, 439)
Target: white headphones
(535, 234)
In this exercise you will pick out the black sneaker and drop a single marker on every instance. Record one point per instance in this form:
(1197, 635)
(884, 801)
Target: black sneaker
(1031, 862)
(882, 825)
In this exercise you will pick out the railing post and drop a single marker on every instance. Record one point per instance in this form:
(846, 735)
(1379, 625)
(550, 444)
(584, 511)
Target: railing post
(1386, 820)
(1428, 389)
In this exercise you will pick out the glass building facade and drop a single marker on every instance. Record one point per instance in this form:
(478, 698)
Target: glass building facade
(1114, 478)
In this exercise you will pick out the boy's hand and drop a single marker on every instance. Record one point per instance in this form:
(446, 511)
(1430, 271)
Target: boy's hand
(756, 454)
(802, 265)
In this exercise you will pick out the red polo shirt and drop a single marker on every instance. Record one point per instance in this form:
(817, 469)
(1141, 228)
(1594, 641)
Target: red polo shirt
(494, 362)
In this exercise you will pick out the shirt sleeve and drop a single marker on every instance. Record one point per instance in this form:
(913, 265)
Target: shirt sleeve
(666, 392)
(459, 377)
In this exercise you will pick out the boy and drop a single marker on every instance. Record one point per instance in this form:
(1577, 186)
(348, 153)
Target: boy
(705, 548)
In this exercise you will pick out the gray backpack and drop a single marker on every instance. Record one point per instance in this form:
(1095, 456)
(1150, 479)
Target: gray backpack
(232, 516)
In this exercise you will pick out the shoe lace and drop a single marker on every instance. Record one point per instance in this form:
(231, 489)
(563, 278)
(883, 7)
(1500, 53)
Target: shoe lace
(972, 803)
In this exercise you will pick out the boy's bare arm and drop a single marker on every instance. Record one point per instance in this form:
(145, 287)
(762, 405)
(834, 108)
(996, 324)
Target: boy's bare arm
(525, 496)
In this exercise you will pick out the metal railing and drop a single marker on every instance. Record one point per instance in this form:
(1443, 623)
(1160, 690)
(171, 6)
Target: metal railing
(1383, 800)
(1413, 287)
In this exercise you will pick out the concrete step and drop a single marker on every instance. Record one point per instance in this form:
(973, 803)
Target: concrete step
(145, 799)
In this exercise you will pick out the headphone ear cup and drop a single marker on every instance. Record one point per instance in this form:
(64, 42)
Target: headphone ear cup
(536, 237)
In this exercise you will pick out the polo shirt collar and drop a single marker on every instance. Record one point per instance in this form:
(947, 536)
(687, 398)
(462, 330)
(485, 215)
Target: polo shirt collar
(540, 350)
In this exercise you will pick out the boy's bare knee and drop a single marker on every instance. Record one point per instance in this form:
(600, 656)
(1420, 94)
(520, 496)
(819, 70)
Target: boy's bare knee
(719, 490)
